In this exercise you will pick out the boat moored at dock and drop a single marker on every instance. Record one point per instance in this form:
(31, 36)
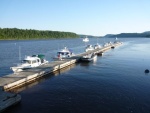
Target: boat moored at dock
(30, 62)
(89, 48)
(63, 54)
(97, 46)
(89, 57)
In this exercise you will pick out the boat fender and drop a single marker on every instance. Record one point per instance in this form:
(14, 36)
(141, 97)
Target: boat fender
(146, 71)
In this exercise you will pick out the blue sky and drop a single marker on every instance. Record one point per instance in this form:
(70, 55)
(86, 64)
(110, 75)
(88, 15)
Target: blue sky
(90, 17)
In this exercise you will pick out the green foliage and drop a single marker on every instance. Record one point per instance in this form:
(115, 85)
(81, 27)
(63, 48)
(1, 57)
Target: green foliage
(26, 34)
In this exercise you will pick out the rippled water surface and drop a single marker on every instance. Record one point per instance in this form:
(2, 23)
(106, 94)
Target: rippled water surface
(114, 83)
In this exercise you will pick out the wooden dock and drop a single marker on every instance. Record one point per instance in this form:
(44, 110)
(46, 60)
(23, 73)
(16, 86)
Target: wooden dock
(17, 79)
(14, 80)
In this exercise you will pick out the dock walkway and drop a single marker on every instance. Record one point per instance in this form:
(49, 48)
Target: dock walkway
(16, 79)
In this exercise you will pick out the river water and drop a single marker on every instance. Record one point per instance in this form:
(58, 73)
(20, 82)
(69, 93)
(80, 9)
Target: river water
(114, 83)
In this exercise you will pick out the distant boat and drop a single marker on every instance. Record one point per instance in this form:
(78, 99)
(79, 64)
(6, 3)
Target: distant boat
(97, 46)
(89, 48)
(116, 40)
(85, 39)
(106, 44)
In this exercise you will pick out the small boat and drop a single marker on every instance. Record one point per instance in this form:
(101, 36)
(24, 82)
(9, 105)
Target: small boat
(30, 62)
(64, 53)
(89, 48)
(116, 40)
(89, 58)
(85, 39)
(106, 44)
(97, 46)
(109, 43)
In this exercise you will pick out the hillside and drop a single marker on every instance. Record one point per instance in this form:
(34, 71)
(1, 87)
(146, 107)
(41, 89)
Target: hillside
(26, 34)
(126, 35)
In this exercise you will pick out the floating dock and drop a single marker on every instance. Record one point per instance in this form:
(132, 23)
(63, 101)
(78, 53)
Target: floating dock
(14, 80)
(8, 99)
(17, 79)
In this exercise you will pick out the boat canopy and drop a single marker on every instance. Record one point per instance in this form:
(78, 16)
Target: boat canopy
(39, 56)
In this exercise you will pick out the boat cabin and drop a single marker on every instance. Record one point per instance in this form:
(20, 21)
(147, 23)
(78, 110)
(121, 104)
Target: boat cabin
(31, 60)
(89, 48)
(64, 54)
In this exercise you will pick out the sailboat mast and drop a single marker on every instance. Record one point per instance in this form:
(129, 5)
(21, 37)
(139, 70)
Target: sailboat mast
(19, 53)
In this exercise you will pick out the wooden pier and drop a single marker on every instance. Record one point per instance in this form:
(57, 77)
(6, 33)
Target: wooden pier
(17, 79)
(14, 80)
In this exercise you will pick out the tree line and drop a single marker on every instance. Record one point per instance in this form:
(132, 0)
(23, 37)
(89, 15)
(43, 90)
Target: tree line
(131, 35)
(26, 34)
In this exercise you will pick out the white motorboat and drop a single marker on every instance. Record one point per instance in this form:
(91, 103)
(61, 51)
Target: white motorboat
(64, 53)
(106, 44)
(85, 39)
(89, 48)
(116, 40)
(97, 46)
(110, 43)
(30, 62)
(89, 58)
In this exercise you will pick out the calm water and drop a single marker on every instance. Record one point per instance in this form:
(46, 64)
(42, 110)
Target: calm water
(114, 83)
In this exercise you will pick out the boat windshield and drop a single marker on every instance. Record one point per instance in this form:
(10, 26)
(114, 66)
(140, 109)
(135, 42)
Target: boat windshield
(63, 53)
(26, 61)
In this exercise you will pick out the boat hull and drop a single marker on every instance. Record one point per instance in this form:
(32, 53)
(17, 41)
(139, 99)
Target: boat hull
(88, 59)
(19, 69)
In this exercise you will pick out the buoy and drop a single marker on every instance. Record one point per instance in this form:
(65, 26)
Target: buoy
(112, 47)
(146, 71)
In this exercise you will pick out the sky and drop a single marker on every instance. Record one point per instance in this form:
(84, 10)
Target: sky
(89, 17)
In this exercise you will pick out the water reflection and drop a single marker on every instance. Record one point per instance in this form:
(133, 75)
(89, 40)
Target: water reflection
(39, 80)
(56, 73)
(28, 85)
(86, 64)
